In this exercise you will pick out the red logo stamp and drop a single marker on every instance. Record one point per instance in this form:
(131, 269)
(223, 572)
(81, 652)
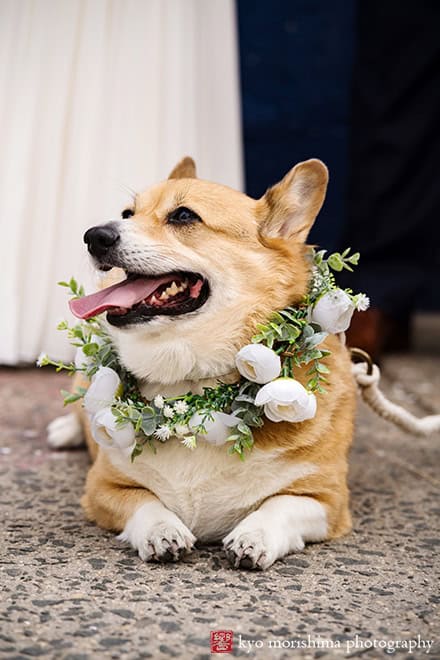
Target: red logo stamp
(221, 641)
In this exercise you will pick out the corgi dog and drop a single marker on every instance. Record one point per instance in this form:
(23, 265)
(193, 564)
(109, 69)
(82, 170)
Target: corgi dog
(229, 261)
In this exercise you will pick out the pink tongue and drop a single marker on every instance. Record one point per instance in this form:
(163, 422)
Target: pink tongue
(125, 294)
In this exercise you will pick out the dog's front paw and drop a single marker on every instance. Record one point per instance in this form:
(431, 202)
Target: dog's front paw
(256, 543)
(247, 550)
(158, 534)
(65, 432)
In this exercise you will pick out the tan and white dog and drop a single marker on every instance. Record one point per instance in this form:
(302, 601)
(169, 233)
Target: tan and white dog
(233, 261)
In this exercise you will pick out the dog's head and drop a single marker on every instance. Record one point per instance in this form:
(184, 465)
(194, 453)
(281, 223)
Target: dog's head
(202, 265)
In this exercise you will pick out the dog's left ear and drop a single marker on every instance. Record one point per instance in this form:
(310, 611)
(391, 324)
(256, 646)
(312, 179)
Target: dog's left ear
(288, 209)
(185, 169)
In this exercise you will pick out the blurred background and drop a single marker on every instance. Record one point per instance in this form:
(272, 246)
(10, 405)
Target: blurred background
(100, 98)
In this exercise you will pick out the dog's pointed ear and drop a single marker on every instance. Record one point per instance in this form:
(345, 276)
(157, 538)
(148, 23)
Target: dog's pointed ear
(288, 209)
(185, 169)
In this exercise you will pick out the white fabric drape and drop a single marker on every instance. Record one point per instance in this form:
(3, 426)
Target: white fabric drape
(96, 95)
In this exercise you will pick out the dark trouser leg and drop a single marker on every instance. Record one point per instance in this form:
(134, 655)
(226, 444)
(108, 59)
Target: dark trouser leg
(394, 195)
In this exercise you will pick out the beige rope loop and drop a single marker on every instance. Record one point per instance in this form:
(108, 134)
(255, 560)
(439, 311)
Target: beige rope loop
(371, 394)
(359, 355)
(363, 378)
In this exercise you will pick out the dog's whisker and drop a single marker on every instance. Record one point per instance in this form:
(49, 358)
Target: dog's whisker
(131, 191)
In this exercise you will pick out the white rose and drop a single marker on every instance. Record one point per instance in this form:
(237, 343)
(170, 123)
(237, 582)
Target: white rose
(107, 433)
(103, 388)
(286, 400)
(258, 363)
(333, 311)
(217, 429)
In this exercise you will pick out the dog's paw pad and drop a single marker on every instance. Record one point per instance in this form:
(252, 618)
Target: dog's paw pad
(248, 550)
(65, 432)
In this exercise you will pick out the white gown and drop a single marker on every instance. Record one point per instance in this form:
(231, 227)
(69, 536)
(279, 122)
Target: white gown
(97, 95)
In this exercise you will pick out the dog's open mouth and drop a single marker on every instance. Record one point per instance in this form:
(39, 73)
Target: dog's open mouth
(139, 299)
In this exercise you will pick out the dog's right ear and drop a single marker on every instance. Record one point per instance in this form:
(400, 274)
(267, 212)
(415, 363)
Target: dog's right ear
(185, 169)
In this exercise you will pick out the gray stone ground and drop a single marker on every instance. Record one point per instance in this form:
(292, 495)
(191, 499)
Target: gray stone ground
(71, 591)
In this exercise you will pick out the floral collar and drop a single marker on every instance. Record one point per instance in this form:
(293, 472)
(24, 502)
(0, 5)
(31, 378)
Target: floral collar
(122, 419)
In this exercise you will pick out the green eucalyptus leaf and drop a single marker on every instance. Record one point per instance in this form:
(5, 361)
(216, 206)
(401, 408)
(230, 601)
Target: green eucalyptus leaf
(316, 339)
(245, 398)
(71, 397)
(148, 425)
(354, 259)
(335, 262)
(148, 411)
(90, 349)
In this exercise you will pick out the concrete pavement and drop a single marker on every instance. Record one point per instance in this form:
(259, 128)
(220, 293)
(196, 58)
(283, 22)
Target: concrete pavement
(70, 591)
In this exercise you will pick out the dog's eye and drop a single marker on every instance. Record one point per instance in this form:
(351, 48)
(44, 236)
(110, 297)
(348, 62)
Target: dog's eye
(183, 216)
(127, 213)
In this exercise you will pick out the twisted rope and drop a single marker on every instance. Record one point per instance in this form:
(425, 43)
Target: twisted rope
(367, 376)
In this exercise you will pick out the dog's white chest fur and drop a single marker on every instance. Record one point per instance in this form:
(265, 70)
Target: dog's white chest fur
(208, 489)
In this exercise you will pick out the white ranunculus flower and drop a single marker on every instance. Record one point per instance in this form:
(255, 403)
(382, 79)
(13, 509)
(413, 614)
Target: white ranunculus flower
(286, 400)
(103, 388)
(333, 311)
(107, 433)
(217, 429)
(258, 363)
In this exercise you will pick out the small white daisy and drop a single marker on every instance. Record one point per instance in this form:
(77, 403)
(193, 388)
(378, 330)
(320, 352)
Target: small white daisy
(162, 433)
(168, 412)
(41, 361)
(181, 407)
(181, 429)
(362, 302)
(159, 401)
(189, 441)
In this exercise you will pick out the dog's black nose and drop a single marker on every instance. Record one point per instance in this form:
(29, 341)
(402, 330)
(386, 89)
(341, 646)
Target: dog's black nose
(100, 239)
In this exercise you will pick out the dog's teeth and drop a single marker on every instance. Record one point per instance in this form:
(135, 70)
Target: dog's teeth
(154, 300)
(170, 291)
